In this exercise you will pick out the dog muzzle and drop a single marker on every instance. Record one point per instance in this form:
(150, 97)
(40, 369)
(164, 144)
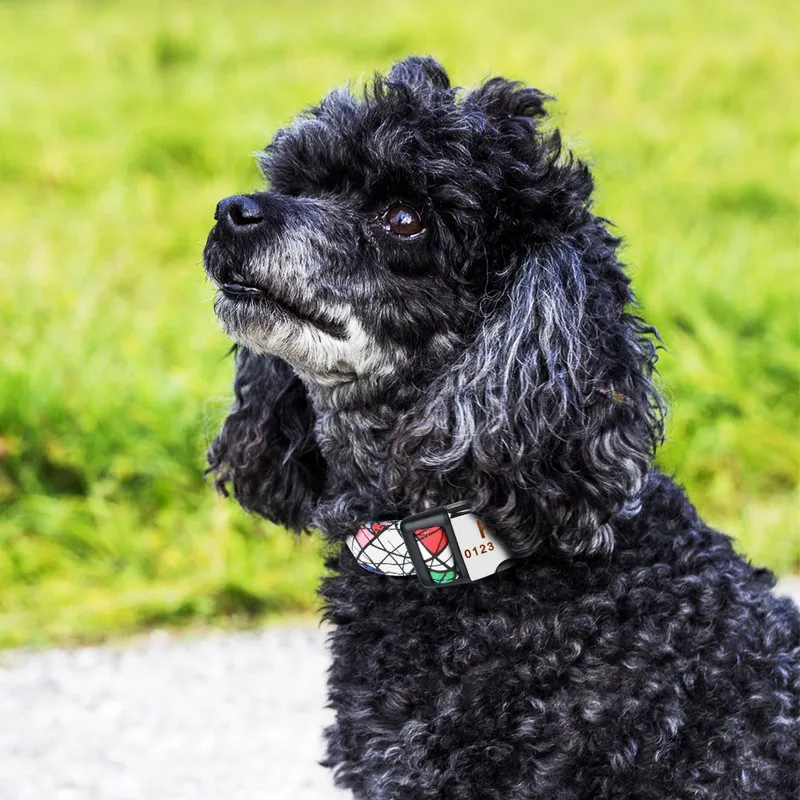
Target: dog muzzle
(445, 546)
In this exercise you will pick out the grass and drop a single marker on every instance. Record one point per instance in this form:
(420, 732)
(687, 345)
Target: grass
(122, 124)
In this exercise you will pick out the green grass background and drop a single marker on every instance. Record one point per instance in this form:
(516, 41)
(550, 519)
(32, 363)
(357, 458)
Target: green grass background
(122, 124)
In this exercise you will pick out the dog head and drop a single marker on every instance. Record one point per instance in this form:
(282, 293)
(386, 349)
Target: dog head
(373, 246)
(439, 246)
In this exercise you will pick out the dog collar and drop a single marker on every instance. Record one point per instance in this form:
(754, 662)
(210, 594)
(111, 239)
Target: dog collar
(445, 546)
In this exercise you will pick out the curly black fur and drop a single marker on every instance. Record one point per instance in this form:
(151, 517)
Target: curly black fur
(630, 653)
(266, 449)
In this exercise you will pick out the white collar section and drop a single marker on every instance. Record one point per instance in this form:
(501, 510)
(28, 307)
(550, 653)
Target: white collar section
(445, 546)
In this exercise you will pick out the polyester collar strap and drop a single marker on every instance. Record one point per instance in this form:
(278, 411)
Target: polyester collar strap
(445, 546)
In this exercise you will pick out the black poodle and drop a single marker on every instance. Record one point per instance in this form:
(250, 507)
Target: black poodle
(437, 368)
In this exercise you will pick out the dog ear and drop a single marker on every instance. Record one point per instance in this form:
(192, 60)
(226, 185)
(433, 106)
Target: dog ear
(501, 99)
(552, 413)
(419, 72)
(266, 448)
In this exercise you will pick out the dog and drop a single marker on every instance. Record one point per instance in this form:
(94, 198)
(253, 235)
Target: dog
(439, 367)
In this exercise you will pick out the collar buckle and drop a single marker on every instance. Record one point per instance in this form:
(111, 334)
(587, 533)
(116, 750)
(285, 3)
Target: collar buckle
(449, 546)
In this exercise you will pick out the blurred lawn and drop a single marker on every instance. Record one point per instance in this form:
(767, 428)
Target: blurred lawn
(122, 124)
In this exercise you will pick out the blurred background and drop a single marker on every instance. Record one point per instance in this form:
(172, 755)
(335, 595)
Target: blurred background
(123, 123)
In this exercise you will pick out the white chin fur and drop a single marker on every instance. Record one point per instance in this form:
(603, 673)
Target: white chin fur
(317, 355)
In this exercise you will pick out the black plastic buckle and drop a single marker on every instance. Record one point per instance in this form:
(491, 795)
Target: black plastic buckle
(423, 559)
(449, 546)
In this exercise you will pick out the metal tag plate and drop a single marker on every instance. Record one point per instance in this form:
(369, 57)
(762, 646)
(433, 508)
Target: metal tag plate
(482, 553)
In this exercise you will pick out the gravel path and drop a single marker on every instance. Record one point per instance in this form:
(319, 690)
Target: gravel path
(229, 716)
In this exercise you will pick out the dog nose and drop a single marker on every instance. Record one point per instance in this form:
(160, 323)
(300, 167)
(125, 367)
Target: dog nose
(239, 211)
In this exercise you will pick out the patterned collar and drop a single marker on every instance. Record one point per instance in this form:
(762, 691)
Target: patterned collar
(445, 546)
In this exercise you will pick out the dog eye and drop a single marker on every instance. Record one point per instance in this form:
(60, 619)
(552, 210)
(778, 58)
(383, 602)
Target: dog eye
(402, 220)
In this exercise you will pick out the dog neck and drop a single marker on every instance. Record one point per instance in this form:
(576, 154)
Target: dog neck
(358, 430)
(373, 474)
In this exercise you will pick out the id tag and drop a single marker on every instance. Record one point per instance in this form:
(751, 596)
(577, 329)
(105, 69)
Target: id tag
(481, 552)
